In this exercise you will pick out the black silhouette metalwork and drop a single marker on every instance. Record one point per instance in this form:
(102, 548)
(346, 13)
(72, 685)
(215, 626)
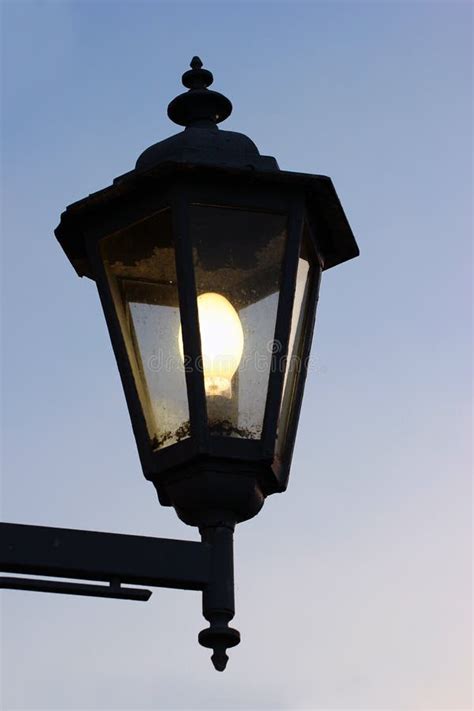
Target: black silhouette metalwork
(200, 184)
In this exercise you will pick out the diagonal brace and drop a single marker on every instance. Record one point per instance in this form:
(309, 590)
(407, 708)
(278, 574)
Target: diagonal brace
(65, 588)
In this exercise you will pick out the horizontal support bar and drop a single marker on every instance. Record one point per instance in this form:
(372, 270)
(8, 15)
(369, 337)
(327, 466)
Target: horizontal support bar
(93, 555)
(56, 586)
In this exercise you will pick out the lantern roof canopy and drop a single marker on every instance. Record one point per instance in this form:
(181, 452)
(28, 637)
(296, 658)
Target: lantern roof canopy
(200, 153)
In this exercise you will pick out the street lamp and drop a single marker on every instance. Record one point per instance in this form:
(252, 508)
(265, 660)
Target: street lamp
(207, 259)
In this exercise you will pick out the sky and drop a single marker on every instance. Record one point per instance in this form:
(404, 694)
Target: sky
(353, 589)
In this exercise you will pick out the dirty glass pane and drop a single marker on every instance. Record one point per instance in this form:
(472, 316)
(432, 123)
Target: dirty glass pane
(238, 257)
(140, 266)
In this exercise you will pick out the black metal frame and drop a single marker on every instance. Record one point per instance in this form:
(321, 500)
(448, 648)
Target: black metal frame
(189, 322)
(283, 324)
(281, 464)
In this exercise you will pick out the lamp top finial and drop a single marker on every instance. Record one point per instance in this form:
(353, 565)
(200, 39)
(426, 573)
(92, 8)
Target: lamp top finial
(197, 77)
(196, 63)
(198, 103)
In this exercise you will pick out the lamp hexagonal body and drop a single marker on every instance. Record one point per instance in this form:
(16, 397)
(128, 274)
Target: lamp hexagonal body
(208, 259)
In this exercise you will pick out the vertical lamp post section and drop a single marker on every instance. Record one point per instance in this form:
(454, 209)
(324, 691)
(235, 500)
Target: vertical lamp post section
(207, 259)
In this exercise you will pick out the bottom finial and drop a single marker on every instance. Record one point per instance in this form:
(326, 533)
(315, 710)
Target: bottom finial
(219, 659)
(219, 637)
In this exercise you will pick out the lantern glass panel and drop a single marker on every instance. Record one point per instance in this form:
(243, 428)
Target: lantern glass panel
(238, 257)
(294, 364)
(141, 271)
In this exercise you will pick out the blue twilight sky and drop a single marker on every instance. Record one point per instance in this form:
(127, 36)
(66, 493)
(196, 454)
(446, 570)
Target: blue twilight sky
(353, 588)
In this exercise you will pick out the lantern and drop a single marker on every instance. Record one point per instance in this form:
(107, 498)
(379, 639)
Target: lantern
(208, 259)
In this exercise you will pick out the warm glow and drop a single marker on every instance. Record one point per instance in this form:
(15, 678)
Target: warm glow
(222, 342)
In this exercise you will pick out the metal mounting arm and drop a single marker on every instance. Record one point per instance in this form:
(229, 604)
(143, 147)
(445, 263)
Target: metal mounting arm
(117, 559)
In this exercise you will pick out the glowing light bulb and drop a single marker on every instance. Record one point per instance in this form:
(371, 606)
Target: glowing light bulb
(222, 342)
